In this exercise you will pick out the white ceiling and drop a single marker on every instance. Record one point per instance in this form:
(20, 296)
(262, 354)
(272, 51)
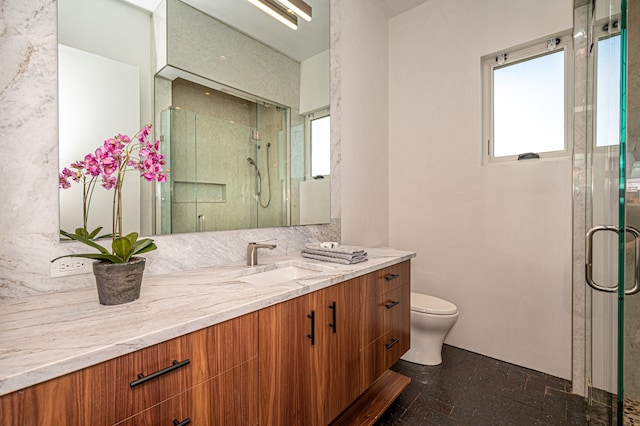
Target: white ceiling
(308, 40)
(392, 8)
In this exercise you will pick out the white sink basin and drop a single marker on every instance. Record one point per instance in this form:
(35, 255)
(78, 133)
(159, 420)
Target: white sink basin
(277, 276)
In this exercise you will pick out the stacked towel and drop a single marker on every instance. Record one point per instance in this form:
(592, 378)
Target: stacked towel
(346, 255)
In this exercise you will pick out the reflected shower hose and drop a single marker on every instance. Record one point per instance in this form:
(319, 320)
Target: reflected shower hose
(259, 178)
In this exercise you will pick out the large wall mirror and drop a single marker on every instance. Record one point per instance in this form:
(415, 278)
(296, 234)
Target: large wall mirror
(238, 100)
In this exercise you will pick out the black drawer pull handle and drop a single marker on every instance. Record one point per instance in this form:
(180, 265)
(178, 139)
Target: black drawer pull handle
(332, 306)
(391, 304)
(174, 366)
(312, 336)
(185, 422)
(391, 277)
(392, 344)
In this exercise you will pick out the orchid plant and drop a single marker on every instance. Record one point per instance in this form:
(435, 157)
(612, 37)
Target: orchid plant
(109, 165)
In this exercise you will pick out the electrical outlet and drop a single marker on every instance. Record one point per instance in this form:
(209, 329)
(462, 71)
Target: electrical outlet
(69, 266)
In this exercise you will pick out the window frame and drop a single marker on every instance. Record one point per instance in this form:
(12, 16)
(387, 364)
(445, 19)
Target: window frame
(515, 55)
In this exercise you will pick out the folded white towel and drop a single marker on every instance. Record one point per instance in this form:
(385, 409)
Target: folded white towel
(353, 250)
(353, 260)
(328, 253)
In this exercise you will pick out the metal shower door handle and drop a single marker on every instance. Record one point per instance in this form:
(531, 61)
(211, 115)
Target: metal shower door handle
(589, 258)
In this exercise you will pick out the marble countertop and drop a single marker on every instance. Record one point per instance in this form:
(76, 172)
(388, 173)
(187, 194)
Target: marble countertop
(47, 336)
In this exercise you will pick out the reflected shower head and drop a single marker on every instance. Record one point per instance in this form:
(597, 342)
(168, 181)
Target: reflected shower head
(250, 160)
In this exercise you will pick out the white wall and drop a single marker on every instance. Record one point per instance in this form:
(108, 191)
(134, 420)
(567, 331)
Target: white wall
(115, 30)
(363, 56)
(494, 239)
(314, 83)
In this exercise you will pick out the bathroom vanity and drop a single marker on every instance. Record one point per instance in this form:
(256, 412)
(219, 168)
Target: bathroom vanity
(291, 341)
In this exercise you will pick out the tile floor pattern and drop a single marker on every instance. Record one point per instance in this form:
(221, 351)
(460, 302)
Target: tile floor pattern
(471, 389)
(631, 412)
(603, 410)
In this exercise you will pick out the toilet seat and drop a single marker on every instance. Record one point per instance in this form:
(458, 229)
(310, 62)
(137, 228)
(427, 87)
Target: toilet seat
(431, 305)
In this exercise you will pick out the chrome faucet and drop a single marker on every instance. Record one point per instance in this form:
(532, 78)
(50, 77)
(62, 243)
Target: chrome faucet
(252, 252)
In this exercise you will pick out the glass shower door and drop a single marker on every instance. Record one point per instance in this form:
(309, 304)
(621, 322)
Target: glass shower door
(613, 246)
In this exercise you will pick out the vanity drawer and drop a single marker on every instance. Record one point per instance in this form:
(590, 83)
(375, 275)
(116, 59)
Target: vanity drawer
(384, 311)
(230, 398)
(182, 363)
(394, 276)
(397, 308)
(384, 280)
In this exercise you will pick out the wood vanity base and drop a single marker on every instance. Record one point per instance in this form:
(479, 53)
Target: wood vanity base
(374, 401)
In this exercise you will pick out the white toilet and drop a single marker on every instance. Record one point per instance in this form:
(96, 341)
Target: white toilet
(431, 320)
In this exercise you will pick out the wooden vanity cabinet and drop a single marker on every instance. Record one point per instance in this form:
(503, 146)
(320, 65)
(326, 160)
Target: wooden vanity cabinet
(103, 394)
(309, 363)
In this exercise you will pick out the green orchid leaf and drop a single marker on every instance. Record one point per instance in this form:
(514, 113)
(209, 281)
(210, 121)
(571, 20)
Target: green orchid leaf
(141, 243)
(147, 249)
(81, 232)
(132, 237)
(143, 246)
(92, 234)
(97, 256)
(85, 241)
(122, 248)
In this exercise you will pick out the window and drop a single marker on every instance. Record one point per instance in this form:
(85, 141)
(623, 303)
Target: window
(608, 92)
(525, 100)
(320, 141)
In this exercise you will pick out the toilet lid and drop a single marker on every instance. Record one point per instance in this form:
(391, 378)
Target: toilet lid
(431, 305)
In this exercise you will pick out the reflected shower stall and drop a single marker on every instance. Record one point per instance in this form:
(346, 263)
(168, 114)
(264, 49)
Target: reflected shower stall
(228, 162)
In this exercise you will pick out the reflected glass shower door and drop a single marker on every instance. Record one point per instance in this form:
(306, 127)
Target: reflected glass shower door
(210, 180)
(612, 214)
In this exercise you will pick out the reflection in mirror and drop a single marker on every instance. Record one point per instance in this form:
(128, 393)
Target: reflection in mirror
(175, 54)
(228, 164)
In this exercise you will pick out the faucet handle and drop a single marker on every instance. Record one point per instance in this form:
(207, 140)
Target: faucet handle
(263, 241)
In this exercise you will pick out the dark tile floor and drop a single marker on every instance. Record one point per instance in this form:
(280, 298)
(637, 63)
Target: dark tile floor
(471, 389)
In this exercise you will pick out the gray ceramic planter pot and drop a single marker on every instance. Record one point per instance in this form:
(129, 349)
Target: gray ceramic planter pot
(119, 283)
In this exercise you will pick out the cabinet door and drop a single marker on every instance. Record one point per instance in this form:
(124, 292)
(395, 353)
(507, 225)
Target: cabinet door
(340, 346)
(290, 364)
(308, 381)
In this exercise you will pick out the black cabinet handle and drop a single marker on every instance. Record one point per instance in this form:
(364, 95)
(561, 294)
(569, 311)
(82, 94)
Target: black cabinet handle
(143, 379)
(391, 277)
(391, 304)
(312, 336)
(333, 324)
(392, 344)
(185, 422)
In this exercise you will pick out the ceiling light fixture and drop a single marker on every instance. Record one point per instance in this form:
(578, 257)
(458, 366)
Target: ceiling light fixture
(301, 8)
(278, 12)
